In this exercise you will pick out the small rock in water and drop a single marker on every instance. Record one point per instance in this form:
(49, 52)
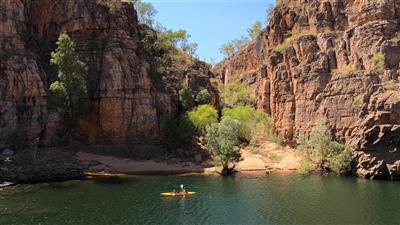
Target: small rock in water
(8, 152)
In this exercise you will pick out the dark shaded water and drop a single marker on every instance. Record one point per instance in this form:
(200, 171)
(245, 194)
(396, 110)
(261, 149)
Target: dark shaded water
(270, 199)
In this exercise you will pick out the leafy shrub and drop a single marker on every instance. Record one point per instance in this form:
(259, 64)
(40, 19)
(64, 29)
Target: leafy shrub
(223, 141)
(339, 159)
(328, 154)
(202, 117)
(281, 48)
(236, 94)
(293, 35)
(145, 10)
(186, 98)
(306, 166)
(378, 61)
(229, 48)
(245, 115)
(255, 29)
(253, 123)
(177, 131)
(203, 97)
(357, 101)
(345, 70)
(171, 129)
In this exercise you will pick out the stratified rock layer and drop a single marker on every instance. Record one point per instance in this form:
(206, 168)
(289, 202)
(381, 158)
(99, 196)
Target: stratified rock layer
(127, 102)
(323, 60)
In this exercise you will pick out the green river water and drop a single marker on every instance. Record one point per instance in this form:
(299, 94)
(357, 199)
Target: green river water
(269, 199)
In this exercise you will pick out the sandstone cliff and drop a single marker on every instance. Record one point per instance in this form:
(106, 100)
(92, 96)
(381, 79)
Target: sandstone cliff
(337, 60)
(127, 100)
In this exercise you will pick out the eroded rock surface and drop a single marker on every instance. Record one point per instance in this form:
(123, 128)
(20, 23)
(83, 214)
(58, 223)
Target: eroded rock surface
(127, 101)
(333, 60)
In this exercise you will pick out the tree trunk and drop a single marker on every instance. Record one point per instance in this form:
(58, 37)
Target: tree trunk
(227, 171)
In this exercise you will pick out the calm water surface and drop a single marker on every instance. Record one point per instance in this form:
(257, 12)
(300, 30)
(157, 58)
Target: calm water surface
(269, 199)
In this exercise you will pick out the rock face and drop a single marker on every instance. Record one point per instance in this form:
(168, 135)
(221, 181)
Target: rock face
(22, 81)
(50, 164)
(127, 102)
(332, 60)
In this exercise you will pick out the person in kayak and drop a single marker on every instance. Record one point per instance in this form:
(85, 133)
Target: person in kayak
(183, 189)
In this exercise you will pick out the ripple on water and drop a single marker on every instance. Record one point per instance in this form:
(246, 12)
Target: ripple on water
(274, 199)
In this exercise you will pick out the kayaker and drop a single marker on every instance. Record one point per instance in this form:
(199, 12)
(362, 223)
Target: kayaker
(183, 189)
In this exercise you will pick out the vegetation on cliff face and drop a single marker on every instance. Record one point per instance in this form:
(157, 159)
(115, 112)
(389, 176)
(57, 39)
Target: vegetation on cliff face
(236, 94)
(321, 59)
(203, 97)
(69, 92)
(232, 46)
(322, 150)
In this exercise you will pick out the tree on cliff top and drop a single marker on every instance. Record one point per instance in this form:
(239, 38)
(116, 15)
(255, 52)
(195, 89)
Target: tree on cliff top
(146, 11)
(70, 90)
(255, 29)
(229, 48)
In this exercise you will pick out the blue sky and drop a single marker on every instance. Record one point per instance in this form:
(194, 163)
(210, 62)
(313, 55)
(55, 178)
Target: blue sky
(211, 23)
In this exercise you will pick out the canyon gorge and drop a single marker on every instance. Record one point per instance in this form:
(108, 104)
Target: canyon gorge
(331, 60)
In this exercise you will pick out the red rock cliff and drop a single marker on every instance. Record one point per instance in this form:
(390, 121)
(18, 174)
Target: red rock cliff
(334, 59)
(127, 102)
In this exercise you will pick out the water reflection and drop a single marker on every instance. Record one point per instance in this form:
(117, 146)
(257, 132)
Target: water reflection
(269, 199)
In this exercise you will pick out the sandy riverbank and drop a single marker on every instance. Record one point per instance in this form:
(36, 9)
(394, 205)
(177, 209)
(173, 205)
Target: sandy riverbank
(268, 157)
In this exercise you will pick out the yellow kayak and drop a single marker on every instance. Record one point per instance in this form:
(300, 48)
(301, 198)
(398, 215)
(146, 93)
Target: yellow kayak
(171, 194)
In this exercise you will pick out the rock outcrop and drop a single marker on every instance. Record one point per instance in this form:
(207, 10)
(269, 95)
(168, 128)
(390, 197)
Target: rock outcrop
(127, 101)
(333, 60)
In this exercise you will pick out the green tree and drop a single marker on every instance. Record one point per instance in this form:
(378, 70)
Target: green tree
(177, 130)
(186, 98)
(202, 117)
(70, 90)
(203, 97)
(223, 142)
(236, 94)
(190, 49)
(239, 43)
(176, 38)
(245, 115)
(227, 49)
(145, 10)
(253, 123)
(255, 29)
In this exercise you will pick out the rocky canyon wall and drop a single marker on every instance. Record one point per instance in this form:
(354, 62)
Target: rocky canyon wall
(336, 60)
(127, 101)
